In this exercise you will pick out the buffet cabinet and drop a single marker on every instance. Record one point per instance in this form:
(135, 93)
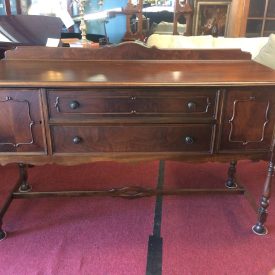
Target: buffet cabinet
(133, 103)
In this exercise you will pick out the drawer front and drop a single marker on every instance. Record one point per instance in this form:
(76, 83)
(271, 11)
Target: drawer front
(195, 102)
(84, 139)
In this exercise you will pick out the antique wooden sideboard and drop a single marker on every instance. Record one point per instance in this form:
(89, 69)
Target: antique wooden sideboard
(126, 103)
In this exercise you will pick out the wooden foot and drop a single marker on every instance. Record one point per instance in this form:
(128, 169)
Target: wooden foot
(3, 234)
(259, 227)
(231, 180)
(24, 186)
(21, 185)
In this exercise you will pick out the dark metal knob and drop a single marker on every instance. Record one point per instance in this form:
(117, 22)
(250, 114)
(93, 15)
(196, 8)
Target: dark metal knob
(189, 140)
(191, 105)
(74, 104)
(77, 140)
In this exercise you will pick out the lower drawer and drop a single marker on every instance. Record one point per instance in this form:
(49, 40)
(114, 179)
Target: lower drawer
(165, 138)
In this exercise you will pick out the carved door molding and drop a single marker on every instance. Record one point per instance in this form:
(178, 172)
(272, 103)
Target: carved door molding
(30, 123)
(248, 119)
(239, 104)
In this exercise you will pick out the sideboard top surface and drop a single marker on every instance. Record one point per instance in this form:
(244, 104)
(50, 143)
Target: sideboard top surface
(46, 73)
(130, 65)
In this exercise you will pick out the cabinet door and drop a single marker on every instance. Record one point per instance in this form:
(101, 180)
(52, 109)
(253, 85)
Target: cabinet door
(21, 128)
(248, 119)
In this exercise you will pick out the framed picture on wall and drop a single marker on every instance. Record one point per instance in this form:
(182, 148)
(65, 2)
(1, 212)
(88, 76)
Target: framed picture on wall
(211, 17)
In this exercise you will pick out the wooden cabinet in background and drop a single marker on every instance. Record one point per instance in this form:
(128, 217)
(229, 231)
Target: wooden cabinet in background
(237, 18)
(9, 7)
(251, 18)
(261, 18)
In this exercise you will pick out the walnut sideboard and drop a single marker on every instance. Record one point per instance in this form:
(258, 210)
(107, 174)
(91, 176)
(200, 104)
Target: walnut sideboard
(126, 103)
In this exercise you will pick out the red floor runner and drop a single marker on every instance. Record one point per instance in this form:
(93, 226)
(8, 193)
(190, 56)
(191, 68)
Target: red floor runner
(211, 234)
(202, 234)
(79, 235)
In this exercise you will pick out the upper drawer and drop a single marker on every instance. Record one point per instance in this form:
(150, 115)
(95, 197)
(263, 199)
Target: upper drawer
(132, 102)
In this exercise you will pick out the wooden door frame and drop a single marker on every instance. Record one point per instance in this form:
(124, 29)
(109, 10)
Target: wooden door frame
(8, 7)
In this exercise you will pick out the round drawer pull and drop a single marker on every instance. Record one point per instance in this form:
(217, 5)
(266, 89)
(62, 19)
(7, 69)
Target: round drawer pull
(77, 140)
(191, 105)
(189, 140)
(74, 104)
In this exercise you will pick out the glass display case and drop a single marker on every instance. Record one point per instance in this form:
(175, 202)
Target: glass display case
(261, 18)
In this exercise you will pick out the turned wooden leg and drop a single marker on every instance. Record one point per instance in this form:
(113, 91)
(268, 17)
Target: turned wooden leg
(24, 186)
(3, 234)
(231, 180)
(259, 227)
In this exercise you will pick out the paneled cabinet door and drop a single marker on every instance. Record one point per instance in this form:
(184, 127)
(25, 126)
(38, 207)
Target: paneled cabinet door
(249, 118)
(21, 126)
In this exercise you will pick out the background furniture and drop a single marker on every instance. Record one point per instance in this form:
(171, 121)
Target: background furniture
(261, 18)
(238, 18)
(246, 18)
(8, 7)
(251, 45)
(252, 18)
(26, 30)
